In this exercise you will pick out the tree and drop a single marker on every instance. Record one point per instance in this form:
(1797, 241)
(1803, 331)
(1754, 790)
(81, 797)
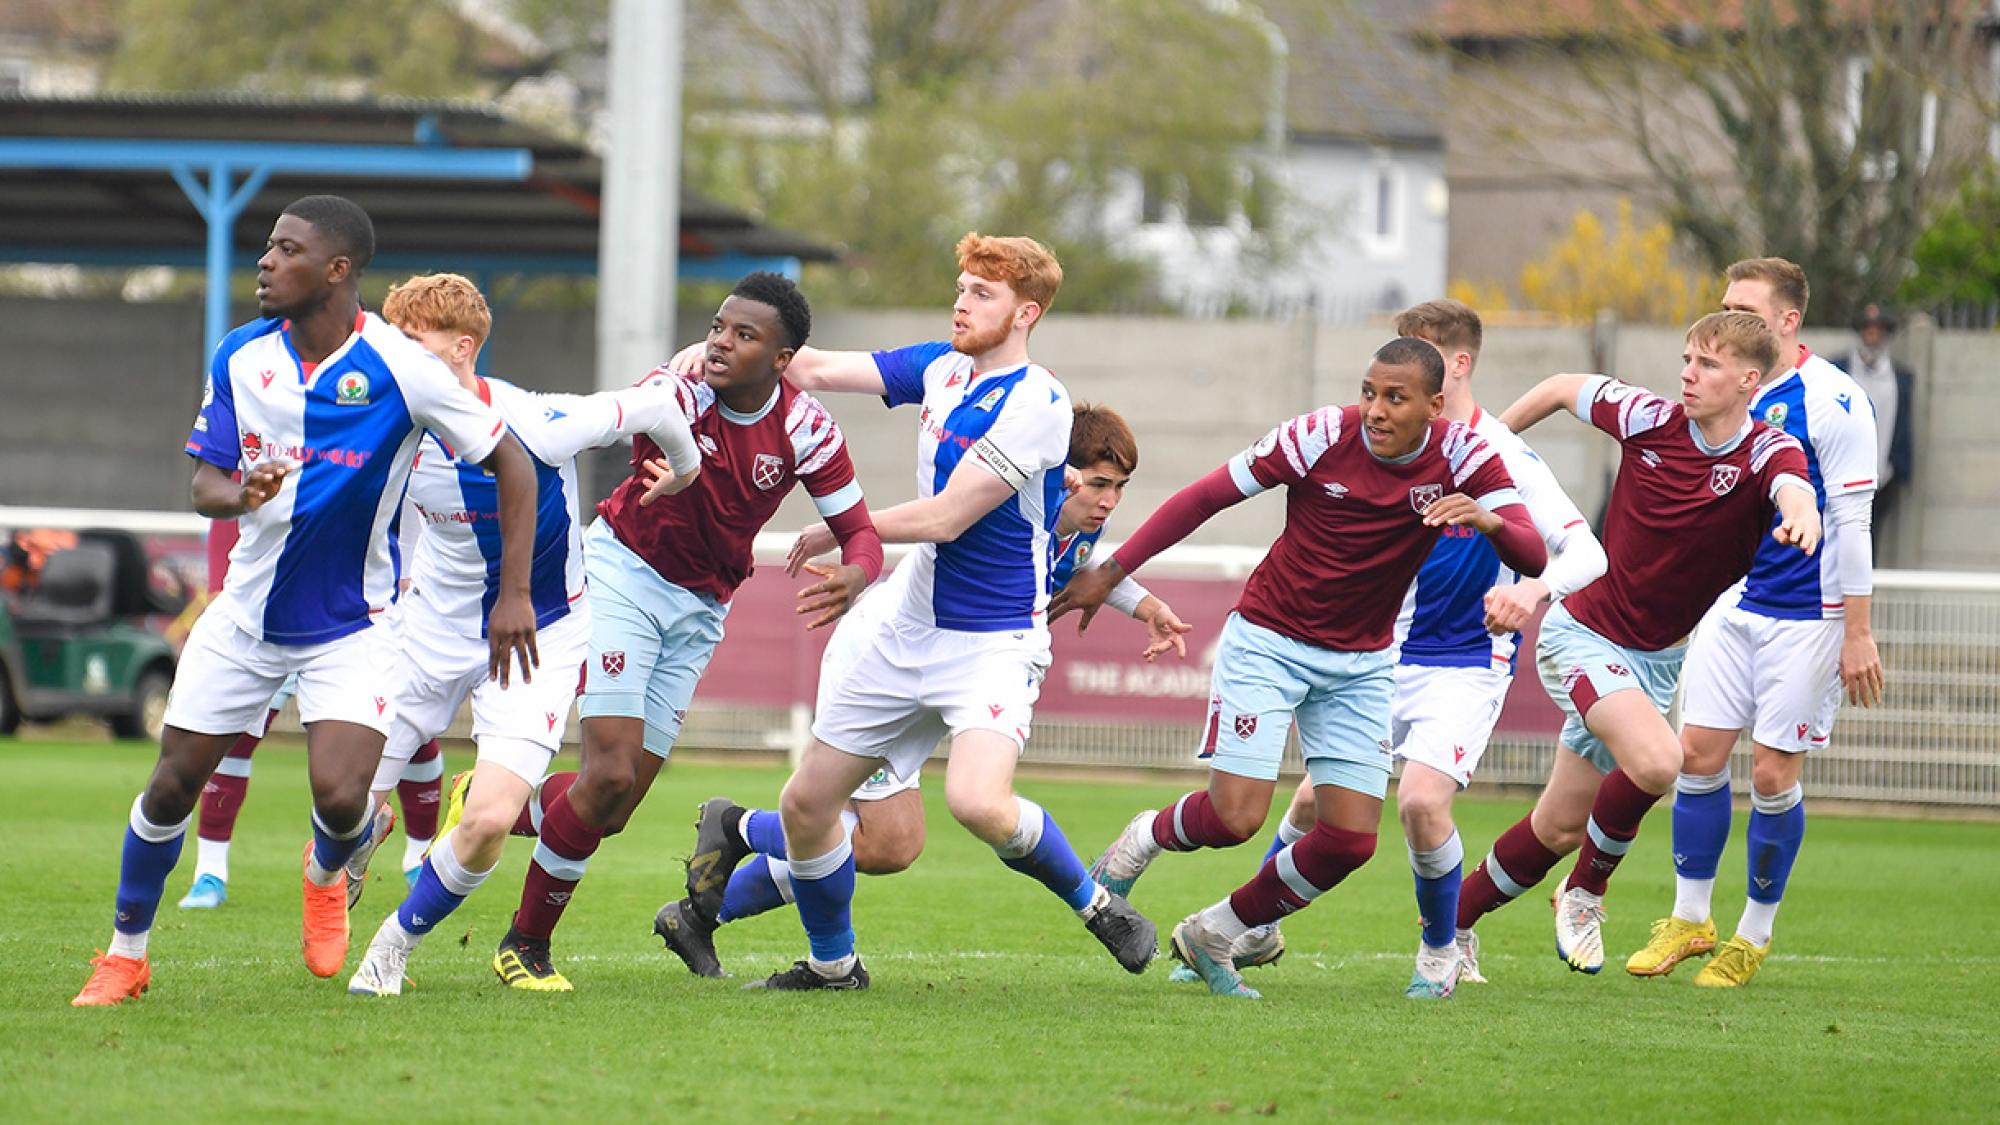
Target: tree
(1958, 257)
(923, 120)
(1628, 270)
(1824, 131)
(412, 48)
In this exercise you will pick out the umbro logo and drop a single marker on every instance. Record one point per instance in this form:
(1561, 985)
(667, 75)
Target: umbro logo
(1336, 489)
(707, 444)
(559, 898)
(1651, 458)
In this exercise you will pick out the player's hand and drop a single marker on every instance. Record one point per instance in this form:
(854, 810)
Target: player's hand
(1072, 480)
(813, 542)
(661, 480)
(1165, 630)
(1460, 510)
(1861, 669)
(1800, 530)
(1509, 608)
(262, 483)
(510, 633)
(835, 595)
(1085, 593)
(687, 362)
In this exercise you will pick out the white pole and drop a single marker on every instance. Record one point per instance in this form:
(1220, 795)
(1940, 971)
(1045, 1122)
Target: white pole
(639, 235)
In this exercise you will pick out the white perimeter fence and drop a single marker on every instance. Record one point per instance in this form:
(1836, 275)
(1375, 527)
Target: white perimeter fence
(1935, 740)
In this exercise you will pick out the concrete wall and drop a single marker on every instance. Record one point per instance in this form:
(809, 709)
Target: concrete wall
(96, 399)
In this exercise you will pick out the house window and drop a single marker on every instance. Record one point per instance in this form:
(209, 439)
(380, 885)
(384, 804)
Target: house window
(1860, 90)
(1381, 215)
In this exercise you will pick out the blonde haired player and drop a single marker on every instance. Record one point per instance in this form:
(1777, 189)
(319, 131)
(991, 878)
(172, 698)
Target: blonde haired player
(518, 726)
(1774, 654)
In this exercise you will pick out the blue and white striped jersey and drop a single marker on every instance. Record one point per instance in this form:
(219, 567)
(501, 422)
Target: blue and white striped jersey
(456, 564)
(317, 561)
(1828, 412)
(1014, 424)
(1443, 621)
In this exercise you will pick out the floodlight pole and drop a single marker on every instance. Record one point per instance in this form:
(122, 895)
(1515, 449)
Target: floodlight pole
(639, 235)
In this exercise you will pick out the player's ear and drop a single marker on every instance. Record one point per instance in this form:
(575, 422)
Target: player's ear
(783, 359)
(339, 269)
(1027, 314)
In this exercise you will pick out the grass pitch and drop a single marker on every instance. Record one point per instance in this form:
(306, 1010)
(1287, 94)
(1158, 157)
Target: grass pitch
(990, 1001)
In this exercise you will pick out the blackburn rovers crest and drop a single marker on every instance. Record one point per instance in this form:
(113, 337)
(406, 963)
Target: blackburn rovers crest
(1776, 415)
(352, 390)
(1424, 495)
(1723, 478)
(766, 471)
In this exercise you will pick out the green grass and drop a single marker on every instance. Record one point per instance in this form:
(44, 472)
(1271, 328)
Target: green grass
(990, 1002)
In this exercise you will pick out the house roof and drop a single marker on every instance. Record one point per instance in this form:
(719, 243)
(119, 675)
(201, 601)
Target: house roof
(1467, 21)
(1354, 72)
(547, 223)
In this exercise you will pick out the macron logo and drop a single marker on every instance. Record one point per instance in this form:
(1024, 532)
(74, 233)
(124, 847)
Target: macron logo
(1846, 403)
(551, 414)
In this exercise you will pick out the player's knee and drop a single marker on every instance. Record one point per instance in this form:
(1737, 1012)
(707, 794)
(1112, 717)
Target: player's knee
(989, 815)
(1773, 774)
(807, 811)
(1424, 815)
(482, 827)
(1347, 849)
(1241, 821)
(341, 810)
(602, 792)
(1656, 772)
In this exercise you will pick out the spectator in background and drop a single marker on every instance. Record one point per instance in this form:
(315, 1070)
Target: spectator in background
(1888, 386)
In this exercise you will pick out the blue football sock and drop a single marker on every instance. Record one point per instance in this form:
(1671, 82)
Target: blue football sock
(824, 888)
(1286, 835)
(442, 883)
(1777, 830)
(765, 832)
(1039, 851)
(331, 849)
(1701, 824)
(149, 855)
(1438, 872)
(753, 889)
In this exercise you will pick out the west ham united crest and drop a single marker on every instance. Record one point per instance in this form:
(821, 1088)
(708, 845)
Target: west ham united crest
(766, 471)
(614, 663)
(1424, 495)
(1246, 725)
(1723, 478)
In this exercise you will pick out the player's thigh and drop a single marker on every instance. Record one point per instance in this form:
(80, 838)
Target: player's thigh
(1344, 723)
(225, 680)
(979, 783)
(1259, 680)
(1724, 660)
(1798, 685)
(1580, 669)
(817, 793)
(1448, 715)
(853, 635)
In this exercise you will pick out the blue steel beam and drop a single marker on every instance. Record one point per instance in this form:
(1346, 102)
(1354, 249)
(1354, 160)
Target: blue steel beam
(219, 205)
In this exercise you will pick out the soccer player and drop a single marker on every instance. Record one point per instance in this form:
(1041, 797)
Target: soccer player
(1773, 656)
(886, 814)
(964, 649)
(321, 405)
(1452, 675)
(1696, 488)
(1369, 488)
(662, 570)
(518, 728)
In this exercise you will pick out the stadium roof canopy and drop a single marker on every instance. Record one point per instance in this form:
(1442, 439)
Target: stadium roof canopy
(133, 180)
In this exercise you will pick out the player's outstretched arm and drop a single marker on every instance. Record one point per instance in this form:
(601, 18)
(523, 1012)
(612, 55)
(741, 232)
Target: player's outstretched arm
(1183, 512)
(816, 369)
(510, 628)
(220, 498)
(1557, 392)
(1798, 507)
(1164, 629)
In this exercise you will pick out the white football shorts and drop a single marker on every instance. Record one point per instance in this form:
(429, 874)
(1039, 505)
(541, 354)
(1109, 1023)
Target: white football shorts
(1778, 679)
(519, 727)
(226, 677)
(1443, 717)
